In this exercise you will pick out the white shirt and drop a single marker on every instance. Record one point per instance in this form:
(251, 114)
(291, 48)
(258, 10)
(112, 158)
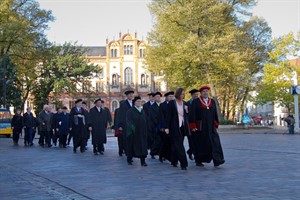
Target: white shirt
(139, 108)
(151, 102)
(206, 100)
(130, 102)
(99, 109)
(180, 114)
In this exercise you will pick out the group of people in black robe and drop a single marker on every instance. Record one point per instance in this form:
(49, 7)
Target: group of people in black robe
(62, 126)
(156, 126)
(162, 127)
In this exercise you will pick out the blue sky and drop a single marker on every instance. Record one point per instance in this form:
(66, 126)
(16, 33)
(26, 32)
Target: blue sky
(90, 22)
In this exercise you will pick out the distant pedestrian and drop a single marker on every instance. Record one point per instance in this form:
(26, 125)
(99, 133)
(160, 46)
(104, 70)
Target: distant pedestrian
(290, 120)
(17, 126)
(78, 121)
(63, 127)
(97, 125)
(29, 123)
(45, 121)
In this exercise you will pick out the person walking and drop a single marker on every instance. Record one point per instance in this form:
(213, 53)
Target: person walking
(17, 126)
(97, 125)
(204, 123)
(63, 127)
(177, 127)
(136, 134)
(29, 123)
(45, 121)
(78, 124)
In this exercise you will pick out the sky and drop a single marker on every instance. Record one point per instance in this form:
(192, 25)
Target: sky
(90, 22)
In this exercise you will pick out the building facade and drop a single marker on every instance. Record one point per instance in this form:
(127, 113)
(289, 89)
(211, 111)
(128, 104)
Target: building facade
(121, 67)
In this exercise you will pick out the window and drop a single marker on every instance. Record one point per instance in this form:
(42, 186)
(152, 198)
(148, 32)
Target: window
(128, 76)
(143, 80)
(113, 53)
(99, 86)
(125, 49)
(141, 53)
(114, 105)
(115, 80)
(71, 104)
(128, 49)
(157, 86)
(85, 86)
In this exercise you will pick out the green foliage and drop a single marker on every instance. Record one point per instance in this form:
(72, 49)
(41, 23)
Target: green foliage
(278, 73)
(198, 42)
(22, 25)
(61, 70)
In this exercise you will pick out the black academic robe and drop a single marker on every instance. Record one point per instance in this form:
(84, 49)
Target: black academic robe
(136, 134)
(165, 150)
(207, 144)
(176, 134)
(121, 119)
(146, 108)
(78, 125)
(98, 122)
(154, 129)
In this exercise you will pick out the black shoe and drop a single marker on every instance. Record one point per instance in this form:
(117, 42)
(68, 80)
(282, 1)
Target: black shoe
(216, 164)
(199, 165)
(74, 150)
(191, 157)
(82, 150)
(55, 144)
(183, 168)
(120, 154)
(50, 145)
(174, 165)
(101, 152)
(144, 165)
(85, 148)
(161, 159)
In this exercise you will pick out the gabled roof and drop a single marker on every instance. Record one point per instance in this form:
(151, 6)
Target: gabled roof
(95, 50)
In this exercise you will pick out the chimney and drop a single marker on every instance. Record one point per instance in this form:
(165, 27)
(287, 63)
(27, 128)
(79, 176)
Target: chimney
(120, 35)
(106, 40)
(135, 34)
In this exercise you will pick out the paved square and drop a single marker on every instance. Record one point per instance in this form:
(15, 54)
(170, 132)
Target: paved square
(258, 166)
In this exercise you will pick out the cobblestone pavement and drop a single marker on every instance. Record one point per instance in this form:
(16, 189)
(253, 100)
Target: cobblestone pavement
(258, 167)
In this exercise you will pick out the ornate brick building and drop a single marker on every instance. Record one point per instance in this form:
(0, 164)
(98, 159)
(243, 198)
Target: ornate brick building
(122, 67)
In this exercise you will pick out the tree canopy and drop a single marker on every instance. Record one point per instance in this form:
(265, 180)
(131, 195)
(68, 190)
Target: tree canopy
(198, 42)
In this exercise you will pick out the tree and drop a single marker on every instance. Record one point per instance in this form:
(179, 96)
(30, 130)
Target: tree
(61, 70)
(278, 73)
(22, 26)
(198, 42)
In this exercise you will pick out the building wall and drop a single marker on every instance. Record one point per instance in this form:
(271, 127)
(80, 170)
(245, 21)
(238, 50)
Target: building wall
(111, 84)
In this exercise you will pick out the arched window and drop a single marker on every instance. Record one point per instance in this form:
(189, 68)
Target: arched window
(116, 53)
(130, 49)
(125, 49)
(112, 53)
(128, 76)
(115, 80)
(143, 79)
(114, 105)
(141, 53)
